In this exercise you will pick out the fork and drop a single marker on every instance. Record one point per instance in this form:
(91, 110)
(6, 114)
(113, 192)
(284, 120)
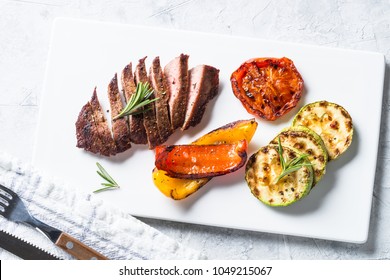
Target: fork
(13, 209)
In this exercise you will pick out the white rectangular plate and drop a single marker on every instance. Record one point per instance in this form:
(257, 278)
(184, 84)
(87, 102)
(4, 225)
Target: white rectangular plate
(87, 54)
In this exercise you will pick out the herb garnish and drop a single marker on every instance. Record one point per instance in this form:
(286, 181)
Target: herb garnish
(292, 166)
(138, 100)
(110, 185)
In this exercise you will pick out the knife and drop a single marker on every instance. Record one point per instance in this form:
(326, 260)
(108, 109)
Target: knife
(23, 249)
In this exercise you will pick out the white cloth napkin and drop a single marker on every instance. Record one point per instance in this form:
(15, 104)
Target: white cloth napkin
(114, 233)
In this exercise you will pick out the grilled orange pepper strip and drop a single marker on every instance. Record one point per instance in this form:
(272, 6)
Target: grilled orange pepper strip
(201, 161)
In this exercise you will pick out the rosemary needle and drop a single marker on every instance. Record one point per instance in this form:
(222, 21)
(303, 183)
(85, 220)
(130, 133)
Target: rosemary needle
(110, 185)
(291, 166)
(138, 100)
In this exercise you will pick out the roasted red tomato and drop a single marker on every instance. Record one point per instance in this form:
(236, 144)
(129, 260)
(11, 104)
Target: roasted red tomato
(201, 161)
(267, 87)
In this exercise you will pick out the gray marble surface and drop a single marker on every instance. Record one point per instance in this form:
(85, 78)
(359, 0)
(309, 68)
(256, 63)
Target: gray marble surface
(363, 25)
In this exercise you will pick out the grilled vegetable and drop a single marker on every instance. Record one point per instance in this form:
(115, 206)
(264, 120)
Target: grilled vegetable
(181, 188)
(263, 176)
(267, 87)
(329, 120)
(230, 133)
(306, 141)
(201, 161)
(176, 188)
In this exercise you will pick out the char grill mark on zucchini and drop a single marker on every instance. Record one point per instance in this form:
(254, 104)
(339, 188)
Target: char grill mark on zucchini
(329, 120)
(306, 141)
(264, 167)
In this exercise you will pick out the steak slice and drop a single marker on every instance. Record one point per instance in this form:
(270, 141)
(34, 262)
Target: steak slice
(204, 83)
(86, 132)
(108, 145)
(128, 84)
(176, 77)
(156, 77)
(120, 127)
(136, 122)
(149, 113)
(92, 130)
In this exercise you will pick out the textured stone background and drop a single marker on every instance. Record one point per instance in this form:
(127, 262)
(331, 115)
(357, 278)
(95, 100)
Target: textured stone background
(364, 25)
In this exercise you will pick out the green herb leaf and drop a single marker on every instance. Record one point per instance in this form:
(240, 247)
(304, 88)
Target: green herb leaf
(104, 189)
(281, 158)
(291, 166)
(138, 100)
(291, 170)
(296, 160)
(110, 182)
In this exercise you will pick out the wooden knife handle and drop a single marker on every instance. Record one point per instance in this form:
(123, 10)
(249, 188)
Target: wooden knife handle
(77, 249)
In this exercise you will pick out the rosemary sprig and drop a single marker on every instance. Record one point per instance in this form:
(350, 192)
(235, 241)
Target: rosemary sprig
(138, 100)
(110, 185)
(291, 166)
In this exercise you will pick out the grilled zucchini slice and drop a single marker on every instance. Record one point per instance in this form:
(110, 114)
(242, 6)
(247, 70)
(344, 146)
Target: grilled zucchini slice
(306, 141)
(329, 120)
(264, 167)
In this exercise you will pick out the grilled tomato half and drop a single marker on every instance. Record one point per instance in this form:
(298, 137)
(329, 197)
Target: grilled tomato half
(267, 87)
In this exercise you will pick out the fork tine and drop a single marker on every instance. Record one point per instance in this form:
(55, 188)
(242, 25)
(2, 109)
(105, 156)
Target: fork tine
(5, 206)
(7, 190)
(5, 197)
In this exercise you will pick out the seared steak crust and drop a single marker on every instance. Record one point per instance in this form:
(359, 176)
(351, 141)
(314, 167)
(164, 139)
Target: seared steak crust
(204, 83)
(176, 77)
(136, 122)
(149, 113)
(120, 128)
(156, 77)
(92, 130)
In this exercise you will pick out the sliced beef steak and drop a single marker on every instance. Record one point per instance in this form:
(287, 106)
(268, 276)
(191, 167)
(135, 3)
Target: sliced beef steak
(149, 113)
(204, 83)
(92, 131)
(136, 122)
(156, 77)
(176, 77)
(182, 96)
(103, 129)
(86, 132)
(128, 84)
(120, 127)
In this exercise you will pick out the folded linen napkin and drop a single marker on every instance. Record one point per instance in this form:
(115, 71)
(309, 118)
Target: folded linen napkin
(114, 233)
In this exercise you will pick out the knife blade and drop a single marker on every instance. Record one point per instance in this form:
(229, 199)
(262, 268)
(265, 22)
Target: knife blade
(23, 249)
